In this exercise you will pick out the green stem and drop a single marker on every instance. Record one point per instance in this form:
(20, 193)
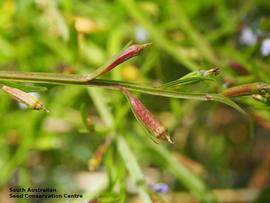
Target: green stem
(83, 80)
(80, 80)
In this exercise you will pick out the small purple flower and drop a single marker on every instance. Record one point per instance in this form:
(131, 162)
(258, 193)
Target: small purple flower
(265, 48)
(248, 36)
(160, 188)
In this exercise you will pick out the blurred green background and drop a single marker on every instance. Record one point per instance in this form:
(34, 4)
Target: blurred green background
(213, 141)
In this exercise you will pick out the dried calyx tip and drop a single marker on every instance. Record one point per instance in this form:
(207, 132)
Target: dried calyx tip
(211, 72)
(143, 46)
(169, 139)
(216, 70)
(45, 110)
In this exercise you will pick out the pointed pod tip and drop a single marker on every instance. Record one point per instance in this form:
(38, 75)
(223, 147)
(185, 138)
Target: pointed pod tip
(215, 70)
(45, 110)
(145, 45)
(169, 139)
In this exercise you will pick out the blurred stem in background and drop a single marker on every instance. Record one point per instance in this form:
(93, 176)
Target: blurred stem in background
(197, 38)
(28, 132)
(157, 36)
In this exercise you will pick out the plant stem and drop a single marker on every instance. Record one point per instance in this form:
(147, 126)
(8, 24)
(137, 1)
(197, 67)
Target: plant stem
(80, 80)
(53, 78)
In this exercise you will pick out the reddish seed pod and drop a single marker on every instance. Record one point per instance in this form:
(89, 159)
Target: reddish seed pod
(128, 53)
(146, 118)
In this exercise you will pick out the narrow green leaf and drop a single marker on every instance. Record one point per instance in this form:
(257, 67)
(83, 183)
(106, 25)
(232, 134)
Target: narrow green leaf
(227, 101)
(185, 81)
(192, 78)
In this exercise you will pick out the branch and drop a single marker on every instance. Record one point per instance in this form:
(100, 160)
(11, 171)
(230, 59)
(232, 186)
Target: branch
(53, 78)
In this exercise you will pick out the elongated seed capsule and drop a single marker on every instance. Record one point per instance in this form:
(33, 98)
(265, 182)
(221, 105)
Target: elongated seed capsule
(146, 118)
(23, 97)
(128, 53)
